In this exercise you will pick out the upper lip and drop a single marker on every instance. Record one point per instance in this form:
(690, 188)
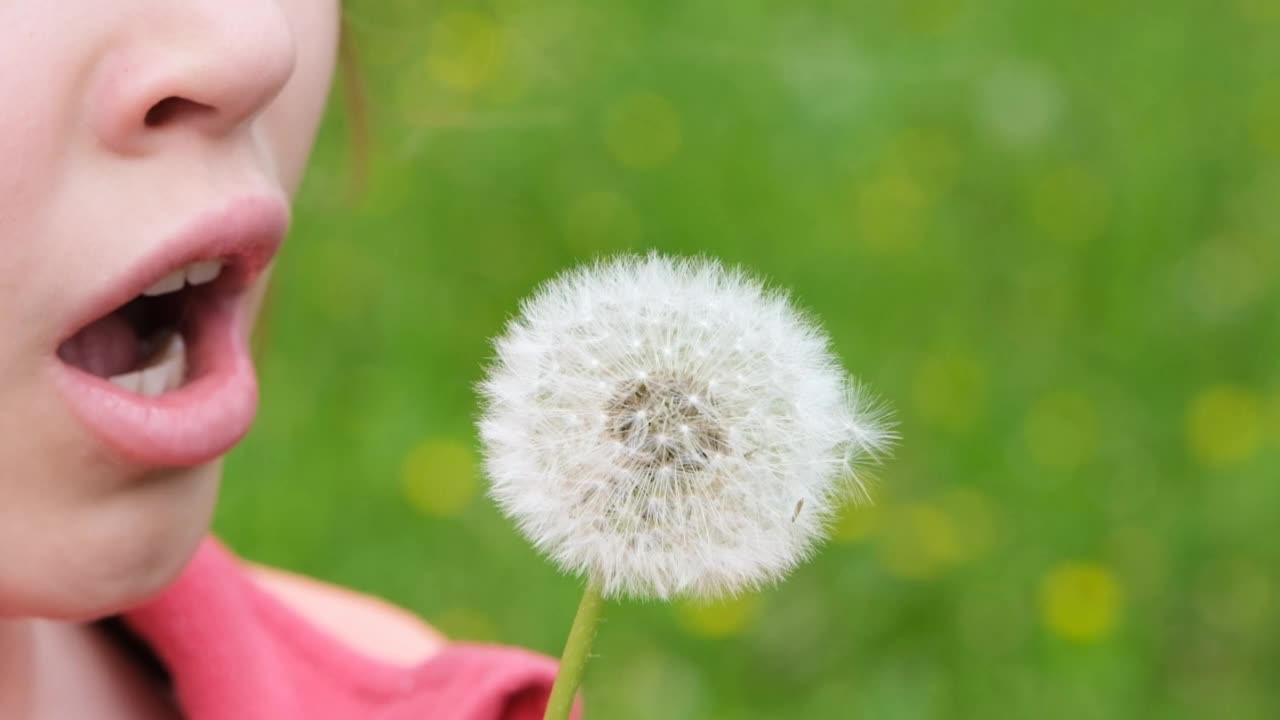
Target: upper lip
(245, 232)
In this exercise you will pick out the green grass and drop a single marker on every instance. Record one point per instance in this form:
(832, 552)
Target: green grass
(1047, 234)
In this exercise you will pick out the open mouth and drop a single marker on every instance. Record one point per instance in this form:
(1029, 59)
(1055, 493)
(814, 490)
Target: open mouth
(155, 363)
(143, 345)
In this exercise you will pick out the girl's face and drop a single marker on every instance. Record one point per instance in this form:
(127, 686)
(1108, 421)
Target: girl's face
(148, 151)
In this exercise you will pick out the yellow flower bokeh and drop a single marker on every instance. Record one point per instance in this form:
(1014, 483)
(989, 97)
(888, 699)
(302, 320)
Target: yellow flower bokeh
(1224, 425)
(719, 619)
(893, 206)
(930, 16)
(1080, 601)
(465, 49)
(439, 477)
(1259, 12)
(1273, 418)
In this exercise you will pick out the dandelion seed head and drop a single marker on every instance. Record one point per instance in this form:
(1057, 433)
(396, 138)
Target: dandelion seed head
(722, 443)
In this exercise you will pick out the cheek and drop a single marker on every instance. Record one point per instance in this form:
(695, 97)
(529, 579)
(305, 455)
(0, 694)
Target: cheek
(253, 302)
(34, 113)
(290, 123)
(34, 150)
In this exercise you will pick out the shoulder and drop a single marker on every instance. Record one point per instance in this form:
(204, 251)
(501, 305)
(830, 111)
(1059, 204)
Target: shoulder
(364, 623)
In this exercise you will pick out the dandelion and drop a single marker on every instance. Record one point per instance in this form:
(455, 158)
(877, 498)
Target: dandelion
(671, 428)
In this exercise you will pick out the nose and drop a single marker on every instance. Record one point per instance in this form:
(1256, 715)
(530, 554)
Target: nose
(206, 67)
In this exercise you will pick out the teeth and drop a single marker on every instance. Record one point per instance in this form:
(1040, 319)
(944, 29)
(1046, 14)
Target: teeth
(200, 273)
(197, 273)
(172, 282)
(166, 372)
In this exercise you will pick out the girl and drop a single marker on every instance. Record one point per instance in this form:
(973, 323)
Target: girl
(148, 151)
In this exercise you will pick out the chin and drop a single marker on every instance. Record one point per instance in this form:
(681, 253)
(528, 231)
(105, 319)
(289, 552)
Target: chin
(127, 548)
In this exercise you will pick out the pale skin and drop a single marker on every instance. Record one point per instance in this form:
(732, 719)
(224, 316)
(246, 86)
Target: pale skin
(91, 179)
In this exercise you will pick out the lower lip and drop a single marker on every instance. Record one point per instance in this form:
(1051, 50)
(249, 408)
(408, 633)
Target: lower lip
(192, 425)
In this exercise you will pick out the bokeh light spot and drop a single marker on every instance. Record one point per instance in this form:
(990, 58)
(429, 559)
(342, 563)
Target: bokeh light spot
(439, 477)
(950, 389)
(599, 220)
(651, 684)
(719, 619)
(892, 212)
(1062, 430)
(1019, 104)
(1227, 275)
(1273, 418)
(920, 541)
(643, 131)
(929, 16)
(1080, 601)
(464, 50)
(1264, 123)
(1224, 425)
(893, 206)
(1069, 204)
(1259, 12)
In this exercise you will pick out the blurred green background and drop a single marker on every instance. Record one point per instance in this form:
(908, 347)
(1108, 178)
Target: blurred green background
(1048, 234)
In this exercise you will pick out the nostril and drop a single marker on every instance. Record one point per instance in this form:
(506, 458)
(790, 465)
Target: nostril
(172, 109)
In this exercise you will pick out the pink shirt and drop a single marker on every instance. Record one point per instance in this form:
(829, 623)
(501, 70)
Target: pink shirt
(234, 652)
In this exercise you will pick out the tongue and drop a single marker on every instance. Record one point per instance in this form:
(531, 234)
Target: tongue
(108, 347)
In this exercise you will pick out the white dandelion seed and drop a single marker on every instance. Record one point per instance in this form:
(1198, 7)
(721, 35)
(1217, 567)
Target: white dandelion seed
(668, 427)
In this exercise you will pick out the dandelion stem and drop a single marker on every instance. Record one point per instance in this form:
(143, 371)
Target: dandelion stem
(576, 650)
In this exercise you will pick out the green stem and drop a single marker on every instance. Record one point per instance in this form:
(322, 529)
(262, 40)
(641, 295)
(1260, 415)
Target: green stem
(576, 650)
